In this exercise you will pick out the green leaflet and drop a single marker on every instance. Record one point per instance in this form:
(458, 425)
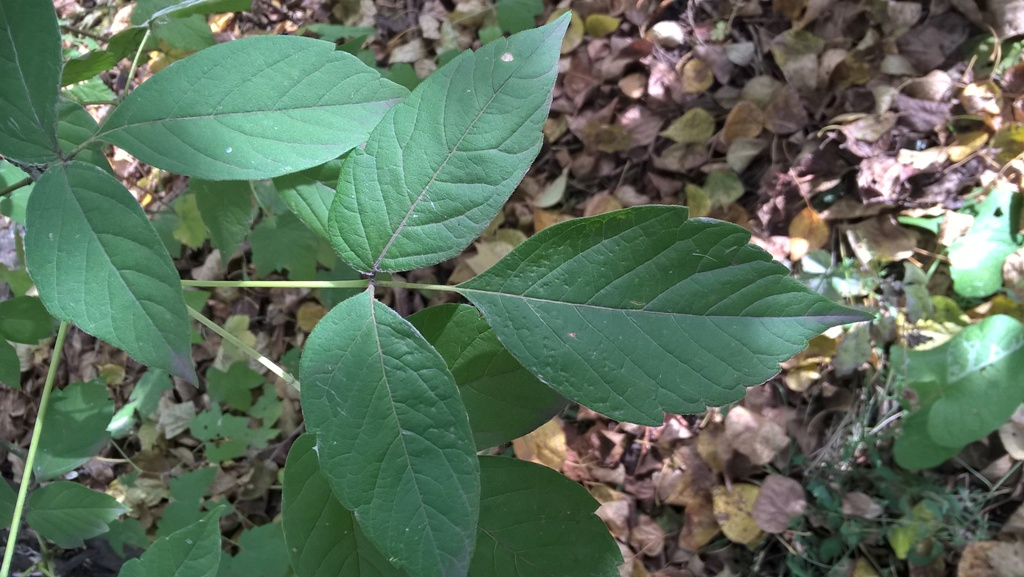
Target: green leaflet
(24, 320)
(441, 163)
(393, 437)
(75, 126)
(535, 522)
(76, 428)
(503, 399)
(30, 64)
(226, 209)
(252, 108)
(69, 513)
(638, 312)
(309, 194)
(98, 263)
(10, 365)
(89, 65)
(976, 259)
(193, 551)
(322, 536)
(966, 388)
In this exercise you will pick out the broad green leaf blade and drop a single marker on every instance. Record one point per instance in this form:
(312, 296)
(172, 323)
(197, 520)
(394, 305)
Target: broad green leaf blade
(393, 437)
(442, 163)
(976, 259)
(504, 400)
(226, 208)
(193, 551)
(76, 428)
(10, 365)
(98, 263)
(25, 320)
(89, 65)
(283, 242)
(75, 126)
(252, 108)
(535, 522)
(322, 536)
(7, 500)
(262, 553)
(309, 194)
(914, 449)
(69, 513)
(967, 387)
(640, 312)
(190, 7)
(30, 62)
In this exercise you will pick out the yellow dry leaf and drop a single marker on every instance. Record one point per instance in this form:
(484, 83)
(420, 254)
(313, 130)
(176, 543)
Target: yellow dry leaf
(807, 232)
(601, 25)
(574, 35)
(733, 512)
(966, 144)
(555, 127)
(309, 314)
(112, 374)
(699, 525)
(696, 77)
(801, 377)
(545, 445)
(745, 121)
(694, 127)
(713, 447)
(545, 218)
(600, 204)
(697, 201)
(864, 569)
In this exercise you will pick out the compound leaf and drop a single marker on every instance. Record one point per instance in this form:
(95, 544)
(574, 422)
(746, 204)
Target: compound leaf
(30, 63)
(504, 400)
(252, 108)
(68, 513)
(193, 551)
(76, 428)
(226, 209)
(323, 537)
(98, 263)
(393, 436)
(441, 163)
(535, 522)
(638, 312)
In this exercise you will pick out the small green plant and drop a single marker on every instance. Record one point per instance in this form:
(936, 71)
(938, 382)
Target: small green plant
(632, 313)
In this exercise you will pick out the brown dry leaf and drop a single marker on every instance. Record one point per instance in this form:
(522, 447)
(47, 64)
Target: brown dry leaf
(753, 435)
(780, 501)
(743, 151)
(647, 537)
(553, 192)
(1012, 436)
(693, 485)
(682, 157)
(694, 127)
(309, 314)
(807, 232)
(699, 525)
(785, 113)
(697, 76)
(796, 52)
(633, 85)
(615, 515)
(734, 513)
(601, 25)
(601, 204)
(555, 127)
(981, 98)
(574, 35)
(545, 445)
(881, 238)
(545, 218)
(745, 121)
(1007, 559)
(606, 137)
(974, 560)
(857, 504)
(713, 447)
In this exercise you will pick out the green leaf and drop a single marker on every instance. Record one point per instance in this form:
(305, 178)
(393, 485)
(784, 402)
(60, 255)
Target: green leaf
(283, 242)
(914, 448)
(10, 365)
(25, 320)
(309, 193)
(75, 126)
(30, 62)
(69, 513)
(393, 437)
(187, 492)
(440, 165)
(966, 388)
(190, 7)
(120, 46)
(99, 264)
(7, 500)
(503, 399)
(535, 522)
(76, 428)
(188, 32)
(12, 205)
(640, 312)
(234, 386)
(193, 551)
(323, 537)
(518, 15)
(191, 230)
(148, 390)
(92, 90)
(126, 531)
(976, 259)
(263, 554)
(227, 436)
(226, 208)
(335, 32)
(252, 108)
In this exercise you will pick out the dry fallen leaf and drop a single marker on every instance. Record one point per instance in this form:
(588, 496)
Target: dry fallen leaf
(807, 232)
(745, 121)
(647, 537)
(601, 25)
(545, 445)
(694, 127)
(857, 504)
(600, 204)
(734, 513)
(545, 218)
(697, 201)
(753, 435)
(780, 501)
(309, 314)
(699, 525)
(697, 76)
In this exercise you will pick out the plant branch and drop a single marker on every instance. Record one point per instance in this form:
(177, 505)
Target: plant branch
(135, 62)
(37, 430)
(310, 284)
(84, 33)
(20, 184)
(416, 285)
(263, 360)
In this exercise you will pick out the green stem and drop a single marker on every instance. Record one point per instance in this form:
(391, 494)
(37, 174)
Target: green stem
(135, 62)
(9, 189)
(417, 286)
(310, 284)
(271, 365)
(37, 430)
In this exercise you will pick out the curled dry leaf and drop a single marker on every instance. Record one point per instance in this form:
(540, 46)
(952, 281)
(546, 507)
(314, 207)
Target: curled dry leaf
(734, 513)
(780, 501)
(807, 232)
(751, 434)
